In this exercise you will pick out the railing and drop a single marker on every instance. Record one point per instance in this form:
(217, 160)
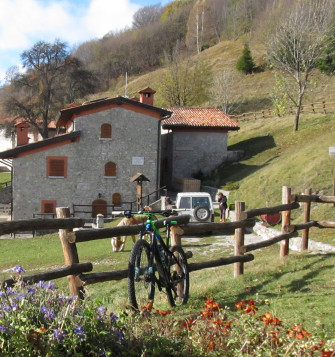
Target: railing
(244, 219)
(317, 107)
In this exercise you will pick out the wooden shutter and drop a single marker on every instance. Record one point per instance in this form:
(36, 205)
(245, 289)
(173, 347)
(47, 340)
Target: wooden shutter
(110, 169)
(56, 166)
(48, 206)
(106, 131)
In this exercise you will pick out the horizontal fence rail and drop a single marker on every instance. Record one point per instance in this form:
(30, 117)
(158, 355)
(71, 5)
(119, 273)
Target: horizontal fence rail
(317, 107)
(80, 274)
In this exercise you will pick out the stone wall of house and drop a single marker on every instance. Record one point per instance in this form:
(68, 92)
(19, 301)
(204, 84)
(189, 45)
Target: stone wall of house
(132, 147)
(197, 151)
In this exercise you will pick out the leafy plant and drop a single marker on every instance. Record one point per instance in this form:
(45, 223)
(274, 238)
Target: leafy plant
(39, 321)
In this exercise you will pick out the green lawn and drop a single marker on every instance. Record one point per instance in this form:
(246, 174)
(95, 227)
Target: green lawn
(299, 289)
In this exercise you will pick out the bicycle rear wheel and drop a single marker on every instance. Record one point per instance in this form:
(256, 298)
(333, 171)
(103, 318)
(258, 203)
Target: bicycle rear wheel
(141, 285)
(178, 289)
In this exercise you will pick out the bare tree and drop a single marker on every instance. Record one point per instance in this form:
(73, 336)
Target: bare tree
(225, 93)
(147, 15)
(38, 93)
(299, 43)
(186, 82)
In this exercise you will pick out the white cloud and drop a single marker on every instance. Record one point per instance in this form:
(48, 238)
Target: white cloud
(24, 22)
(104, 16)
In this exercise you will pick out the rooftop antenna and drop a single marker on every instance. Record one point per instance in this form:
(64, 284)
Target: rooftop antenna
(125, 89)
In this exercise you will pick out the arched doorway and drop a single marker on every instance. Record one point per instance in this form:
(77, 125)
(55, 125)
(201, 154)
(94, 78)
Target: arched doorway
(99, 206)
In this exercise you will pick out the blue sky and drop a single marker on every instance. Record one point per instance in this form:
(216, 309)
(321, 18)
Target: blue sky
(24, 22)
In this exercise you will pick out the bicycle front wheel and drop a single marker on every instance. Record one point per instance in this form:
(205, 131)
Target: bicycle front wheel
(178, 288)
(141, 284)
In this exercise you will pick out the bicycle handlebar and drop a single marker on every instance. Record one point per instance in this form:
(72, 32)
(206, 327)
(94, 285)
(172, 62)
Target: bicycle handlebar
(165, 213)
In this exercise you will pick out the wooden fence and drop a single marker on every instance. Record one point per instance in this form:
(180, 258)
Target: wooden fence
(317, 107)
(79, 274)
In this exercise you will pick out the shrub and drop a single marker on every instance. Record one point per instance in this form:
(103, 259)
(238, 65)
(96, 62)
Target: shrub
(245, 63)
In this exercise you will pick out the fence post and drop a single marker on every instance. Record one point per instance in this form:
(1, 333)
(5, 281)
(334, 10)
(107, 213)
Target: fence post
(307, 212)
(239, 238)
(286, 218)
(67, 238)
(324, 107)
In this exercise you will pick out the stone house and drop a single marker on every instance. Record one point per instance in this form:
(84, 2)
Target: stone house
(196, 141)
(107, 141)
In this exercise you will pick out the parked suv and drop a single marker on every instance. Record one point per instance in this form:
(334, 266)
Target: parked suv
(198, 205)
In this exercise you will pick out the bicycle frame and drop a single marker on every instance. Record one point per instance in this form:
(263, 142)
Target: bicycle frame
(155, 253)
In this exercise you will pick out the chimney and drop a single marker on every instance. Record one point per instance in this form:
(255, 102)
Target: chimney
(22, 130)
(147, 96)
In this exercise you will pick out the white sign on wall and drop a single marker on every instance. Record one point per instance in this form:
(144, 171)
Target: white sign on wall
(331, 150)
(137, 160)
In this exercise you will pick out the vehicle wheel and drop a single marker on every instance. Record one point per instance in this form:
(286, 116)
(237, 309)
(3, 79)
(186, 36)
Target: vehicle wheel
(201, 213)
(141, 286)
(178, 291)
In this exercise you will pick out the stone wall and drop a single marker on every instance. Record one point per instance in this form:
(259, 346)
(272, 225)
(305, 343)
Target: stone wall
(197, 151)
(133, 148)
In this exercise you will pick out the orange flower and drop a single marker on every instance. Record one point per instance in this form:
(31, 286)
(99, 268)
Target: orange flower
(210, 346)
(329, 353)
(207, 313)
(212, 304)
(188, 323)
(250, 307)
(270, 320)
(240, 305)
(298, 332)
(148, 306)
(161, 312)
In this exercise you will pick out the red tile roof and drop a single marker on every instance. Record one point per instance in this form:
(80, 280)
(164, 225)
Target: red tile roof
(199, 118)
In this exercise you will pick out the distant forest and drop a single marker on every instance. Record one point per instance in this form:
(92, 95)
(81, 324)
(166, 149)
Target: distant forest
(186, 26)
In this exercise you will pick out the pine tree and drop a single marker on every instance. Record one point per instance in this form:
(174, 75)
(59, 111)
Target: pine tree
(245, 63)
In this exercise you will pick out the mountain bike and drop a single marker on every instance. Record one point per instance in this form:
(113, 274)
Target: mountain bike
(153, 263)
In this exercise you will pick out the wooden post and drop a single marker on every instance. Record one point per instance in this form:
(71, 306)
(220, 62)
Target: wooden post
(286, 218)
(307, 212)
(239, 239)
(67, 238)
(324, 107)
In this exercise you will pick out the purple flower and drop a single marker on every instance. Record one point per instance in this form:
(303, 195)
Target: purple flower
(40, 284)
(2, 293)
(50, 285)
(18, 269)
(31, 290)
(48, 314)
(101, 311)
(11, 291)
(3, 328)
(119, 335)
(113, 317)
(79, 330)
(59, 335)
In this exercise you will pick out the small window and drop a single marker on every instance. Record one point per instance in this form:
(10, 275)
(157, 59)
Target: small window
(48, 206)
(185, 202)
(56, 166)
(110, 169)
(116, 199)
(106, 131)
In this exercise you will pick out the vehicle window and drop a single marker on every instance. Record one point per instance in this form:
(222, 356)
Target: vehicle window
(185, 202)
(200, 201)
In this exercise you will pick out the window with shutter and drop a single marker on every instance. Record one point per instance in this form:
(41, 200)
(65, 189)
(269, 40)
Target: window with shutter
(106, 131)
(48, 206)
(110, 169)
(56, 166)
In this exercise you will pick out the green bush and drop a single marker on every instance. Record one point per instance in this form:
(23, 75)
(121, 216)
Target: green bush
(245, 63)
